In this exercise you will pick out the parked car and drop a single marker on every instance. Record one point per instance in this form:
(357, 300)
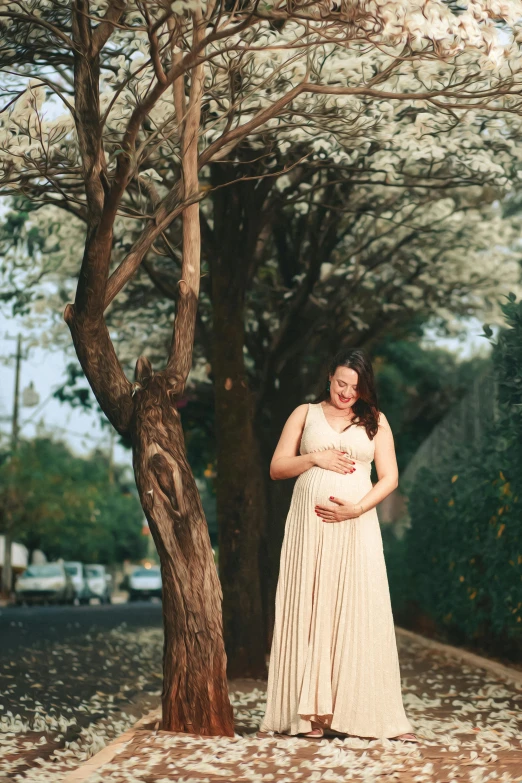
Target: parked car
(144, 583)
(76, 571)
(100, 582)
(45, 583)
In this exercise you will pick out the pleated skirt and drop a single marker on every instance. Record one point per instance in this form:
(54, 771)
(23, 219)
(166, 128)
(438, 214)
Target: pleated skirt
(334, 653)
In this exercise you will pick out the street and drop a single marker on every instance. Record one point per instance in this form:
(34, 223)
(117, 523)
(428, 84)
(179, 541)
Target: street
(72, 679)
(22, 625)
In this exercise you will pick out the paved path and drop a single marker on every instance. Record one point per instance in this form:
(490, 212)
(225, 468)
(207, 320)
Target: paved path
(469, 720)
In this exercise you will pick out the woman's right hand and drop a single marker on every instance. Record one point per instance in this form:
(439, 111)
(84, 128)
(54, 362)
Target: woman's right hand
(334, 459)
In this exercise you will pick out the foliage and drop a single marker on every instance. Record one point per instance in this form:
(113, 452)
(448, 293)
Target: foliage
(463, 554)
(68, 507)
(417, 386)
(508, 364)
(380, 180)
(383, 163)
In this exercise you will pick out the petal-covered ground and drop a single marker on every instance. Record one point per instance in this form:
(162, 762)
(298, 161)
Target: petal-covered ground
(469, 722)
(61, 702)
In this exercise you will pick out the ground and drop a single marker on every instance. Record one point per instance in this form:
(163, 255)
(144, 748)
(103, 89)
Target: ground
(469, 722)
(71, 680)
(74, 696)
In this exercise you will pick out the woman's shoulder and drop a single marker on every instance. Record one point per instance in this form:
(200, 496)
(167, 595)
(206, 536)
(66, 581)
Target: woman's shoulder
(382, 421)
(298, 415)
(301, 411)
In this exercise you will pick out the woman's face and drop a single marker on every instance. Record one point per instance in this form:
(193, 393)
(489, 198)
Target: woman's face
(343, 387)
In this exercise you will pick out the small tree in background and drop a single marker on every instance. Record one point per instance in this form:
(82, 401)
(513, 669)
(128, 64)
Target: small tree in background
(68, 506)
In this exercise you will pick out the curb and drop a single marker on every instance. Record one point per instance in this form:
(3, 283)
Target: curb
(107, 754)
(506, 672)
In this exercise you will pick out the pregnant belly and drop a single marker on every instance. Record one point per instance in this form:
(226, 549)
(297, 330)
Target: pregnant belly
(317, 484)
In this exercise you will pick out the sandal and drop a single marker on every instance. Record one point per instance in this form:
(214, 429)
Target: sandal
(314, 734)
(406, 737)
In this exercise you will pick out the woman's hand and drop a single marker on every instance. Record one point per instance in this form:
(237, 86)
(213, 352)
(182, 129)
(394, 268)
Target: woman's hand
(333, 459)
(339, 511)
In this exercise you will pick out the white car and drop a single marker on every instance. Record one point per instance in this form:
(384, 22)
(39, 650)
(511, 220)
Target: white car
(144, 583)
(46, 583)
(76, 571)
(99, 582)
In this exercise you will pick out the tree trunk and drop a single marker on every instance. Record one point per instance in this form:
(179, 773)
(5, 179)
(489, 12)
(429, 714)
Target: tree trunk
(195, 695)
(7, 569)
(276, 405)
(268, 427)
(240, 492)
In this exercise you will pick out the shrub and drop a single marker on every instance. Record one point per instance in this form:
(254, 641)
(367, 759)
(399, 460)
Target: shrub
(462, 555)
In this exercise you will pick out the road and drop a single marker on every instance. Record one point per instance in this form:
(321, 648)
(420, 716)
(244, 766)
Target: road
(21, 626)
(72, 679)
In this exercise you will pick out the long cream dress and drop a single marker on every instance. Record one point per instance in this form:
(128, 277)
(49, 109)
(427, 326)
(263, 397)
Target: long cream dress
(334, 653)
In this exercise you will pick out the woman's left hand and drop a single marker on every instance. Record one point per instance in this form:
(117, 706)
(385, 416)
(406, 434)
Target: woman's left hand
(341, 510)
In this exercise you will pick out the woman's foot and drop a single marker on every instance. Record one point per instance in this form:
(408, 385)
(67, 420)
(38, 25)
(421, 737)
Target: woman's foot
(316, 732)
(406, 737)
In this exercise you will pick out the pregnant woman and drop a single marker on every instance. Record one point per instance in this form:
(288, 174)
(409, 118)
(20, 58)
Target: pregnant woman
(334, 659)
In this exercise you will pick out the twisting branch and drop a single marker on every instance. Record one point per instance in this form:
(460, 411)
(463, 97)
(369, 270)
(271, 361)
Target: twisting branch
(180, 355)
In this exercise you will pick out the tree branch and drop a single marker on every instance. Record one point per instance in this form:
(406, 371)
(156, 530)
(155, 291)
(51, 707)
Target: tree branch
(103, 31)
(180, 356)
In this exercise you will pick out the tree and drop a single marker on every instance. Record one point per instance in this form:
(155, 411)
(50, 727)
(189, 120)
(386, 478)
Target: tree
(142, 82)
(67, 505)
(418, 385)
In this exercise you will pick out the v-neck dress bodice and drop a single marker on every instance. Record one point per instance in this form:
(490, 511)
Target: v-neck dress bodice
(334, 654)
(319, 435)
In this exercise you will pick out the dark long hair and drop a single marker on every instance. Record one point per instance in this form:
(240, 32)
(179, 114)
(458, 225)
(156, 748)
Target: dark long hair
(366, 406)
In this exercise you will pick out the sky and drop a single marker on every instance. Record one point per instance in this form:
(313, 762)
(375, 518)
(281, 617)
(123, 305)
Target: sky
(82, 430)
(46, 369)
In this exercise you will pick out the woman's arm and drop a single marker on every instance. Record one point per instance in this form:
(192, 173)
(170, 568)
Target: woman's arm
(387, 472)
(287, 462)
(386, 466)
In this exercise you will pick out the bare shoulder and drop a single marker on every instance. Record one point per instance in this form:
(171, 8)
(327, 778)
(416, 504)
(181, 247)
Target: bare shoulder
(383, 422)
(294, 424)
(298, 415)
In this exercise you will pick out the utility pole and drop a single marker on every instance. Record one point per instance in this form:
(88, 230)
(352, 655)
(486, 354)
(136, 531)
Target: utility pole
(16, 402)
(7, 571)
(111, 454)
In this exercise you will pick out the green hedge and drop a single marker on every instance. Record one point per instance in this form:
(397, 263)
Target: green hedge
(460, 562)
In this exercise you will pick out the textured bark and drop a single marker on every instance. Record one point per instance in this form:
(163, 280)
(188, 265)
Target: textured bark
(102, 368)
(240, 487)
(240, 504)
(195, 694)
(278, 405)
